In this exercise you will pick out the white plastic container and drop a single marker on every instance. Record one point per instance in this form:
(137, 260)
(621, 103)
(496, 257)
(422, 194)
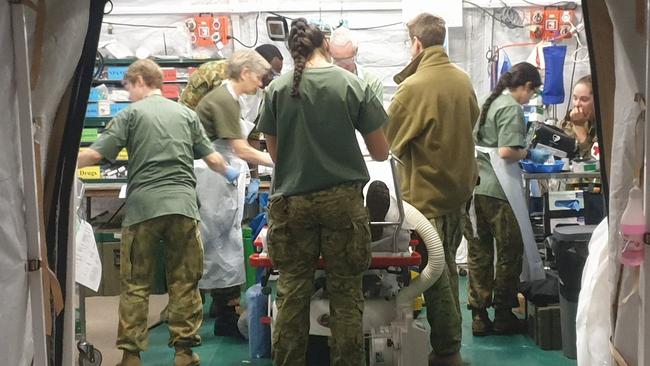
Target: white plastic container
(633, 229)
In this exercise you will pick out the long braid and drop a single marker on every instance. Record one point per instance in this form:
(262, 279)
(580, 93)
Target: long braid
(299, 66)
(504, 82)
(303, 40)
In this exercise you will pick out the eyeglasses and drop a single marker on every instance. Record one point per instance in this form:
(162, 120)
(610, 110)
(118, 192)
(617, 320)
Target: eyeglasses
(537, 92)
(409, 41)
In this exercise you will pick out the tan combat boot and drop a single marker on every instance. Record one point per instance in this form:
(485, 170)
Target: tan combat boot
(130, 359)
(505, 322)
(185, 357)
(481, 323)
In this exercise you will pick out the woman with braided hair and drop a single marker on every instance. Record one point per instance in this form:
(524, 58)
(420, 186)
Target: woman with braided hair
(316, 208)
(500, 140)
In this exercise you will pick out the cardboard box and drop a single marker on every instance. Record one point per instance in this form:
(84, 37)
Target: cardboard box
(565, 221)
(544, 326)
(559, 201)
(110, 268)
(108, 243)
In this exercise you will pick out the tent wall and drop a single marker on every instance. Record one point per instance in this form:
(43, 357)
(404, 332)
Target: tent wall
(52, 55)
(626, 161)
(63, 149)
(381, 51)
(17, 347)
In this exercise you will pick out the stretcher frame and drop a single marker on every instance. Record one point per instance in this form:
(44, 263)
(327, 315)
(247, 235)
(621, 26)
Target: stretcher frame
(378, 260)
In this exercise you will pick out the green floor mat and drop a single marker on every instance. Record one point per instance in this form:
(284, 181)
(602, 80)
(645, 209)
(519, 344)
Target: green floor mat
(484, 351)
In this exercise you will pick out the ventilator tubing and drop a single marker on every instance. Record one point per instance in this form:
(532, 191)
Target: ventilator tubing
(435, 265)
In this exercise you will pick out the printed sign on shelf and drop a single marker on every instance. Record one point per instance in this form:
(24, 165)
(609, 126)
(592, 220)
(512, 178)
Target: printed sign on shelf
(116, 72)
(90, 172)
(169, 74)
(122, 155)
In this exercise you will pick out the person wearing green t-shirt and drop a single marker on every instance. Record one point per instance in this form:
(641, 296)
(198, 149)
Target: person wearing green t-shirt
(500, 139)
(162, 138)
(222, 204)
(316, 208)
(343, 49)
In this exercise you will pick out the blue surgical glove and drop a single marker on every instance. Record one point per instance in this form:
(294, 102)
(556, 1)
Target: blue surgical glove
(538, 156)
(231, 174)
(251, 192)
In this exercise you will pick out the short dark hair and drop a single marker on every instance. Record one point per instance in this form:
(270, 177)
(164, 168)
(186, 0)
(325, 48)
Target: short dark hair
(269, 52)
(429, 29)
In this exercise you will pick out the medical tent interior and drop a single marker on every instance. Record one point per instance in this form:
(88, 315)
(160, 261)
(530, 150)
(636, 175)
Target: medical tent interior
(49, 61)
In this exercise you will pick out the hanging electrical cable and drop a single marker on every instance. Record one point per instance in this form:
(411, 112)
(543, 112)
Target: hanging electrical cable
(140, 25)
(573, 72)
(378, 26)
(360, 28)
(280, 15)
(569, 5)
(257, 33)
(110, 9)
(99, 65)
(506, 15)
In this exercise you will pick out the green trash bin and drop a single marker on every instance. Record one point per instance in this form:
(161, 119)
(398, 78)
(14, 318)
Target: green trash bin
(247, 233)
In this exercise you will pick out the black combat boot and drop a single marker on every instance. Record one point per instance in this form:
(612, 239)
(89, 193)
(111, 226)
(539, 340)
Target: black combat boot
(481, 323)
(225, 323)
(377, 202)
(506, 322)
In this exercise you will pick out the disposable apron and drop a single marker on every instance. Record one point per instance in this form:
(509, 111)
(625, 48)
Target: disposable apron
(509, 176)
(222, 210)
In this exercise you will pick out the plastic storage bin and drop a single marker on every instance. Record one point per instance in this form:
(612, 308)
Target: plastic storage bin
(259, 334)
(570, 246)
(531, 167)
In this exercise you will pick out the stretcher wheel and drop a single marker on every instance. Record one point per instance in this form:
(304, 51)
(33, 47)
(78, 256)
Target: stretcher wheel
(94, 358)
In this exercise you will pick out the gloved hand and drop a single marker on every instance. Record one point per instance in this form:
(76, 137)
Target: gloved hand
(538, 156)
(251, 191)
(231, 174)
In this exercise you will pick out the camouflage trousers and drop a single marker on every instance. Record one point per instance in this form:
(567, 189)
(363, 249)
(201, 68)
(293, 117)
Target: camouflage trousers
(184, 267)
(332, 223)
(496, 227)
(443, 306)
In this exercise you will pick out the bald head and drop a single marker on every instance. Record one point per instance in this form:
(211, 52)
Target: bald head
(343, 49)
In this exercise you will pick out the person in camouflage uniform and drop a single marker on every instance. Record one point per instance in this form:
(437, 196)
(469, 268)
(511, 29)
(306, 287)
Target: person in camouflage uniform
(496, 221)
(333, 223)
(581, 119)
(207, 77)
(161, 205)
(501, 127)
(316, 207)
(139, 242)
(430, 131)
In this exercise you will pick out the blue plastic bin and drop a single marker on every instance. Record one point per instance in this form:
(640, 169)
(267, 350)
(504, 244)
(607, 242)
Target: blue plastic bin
(531, 167)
